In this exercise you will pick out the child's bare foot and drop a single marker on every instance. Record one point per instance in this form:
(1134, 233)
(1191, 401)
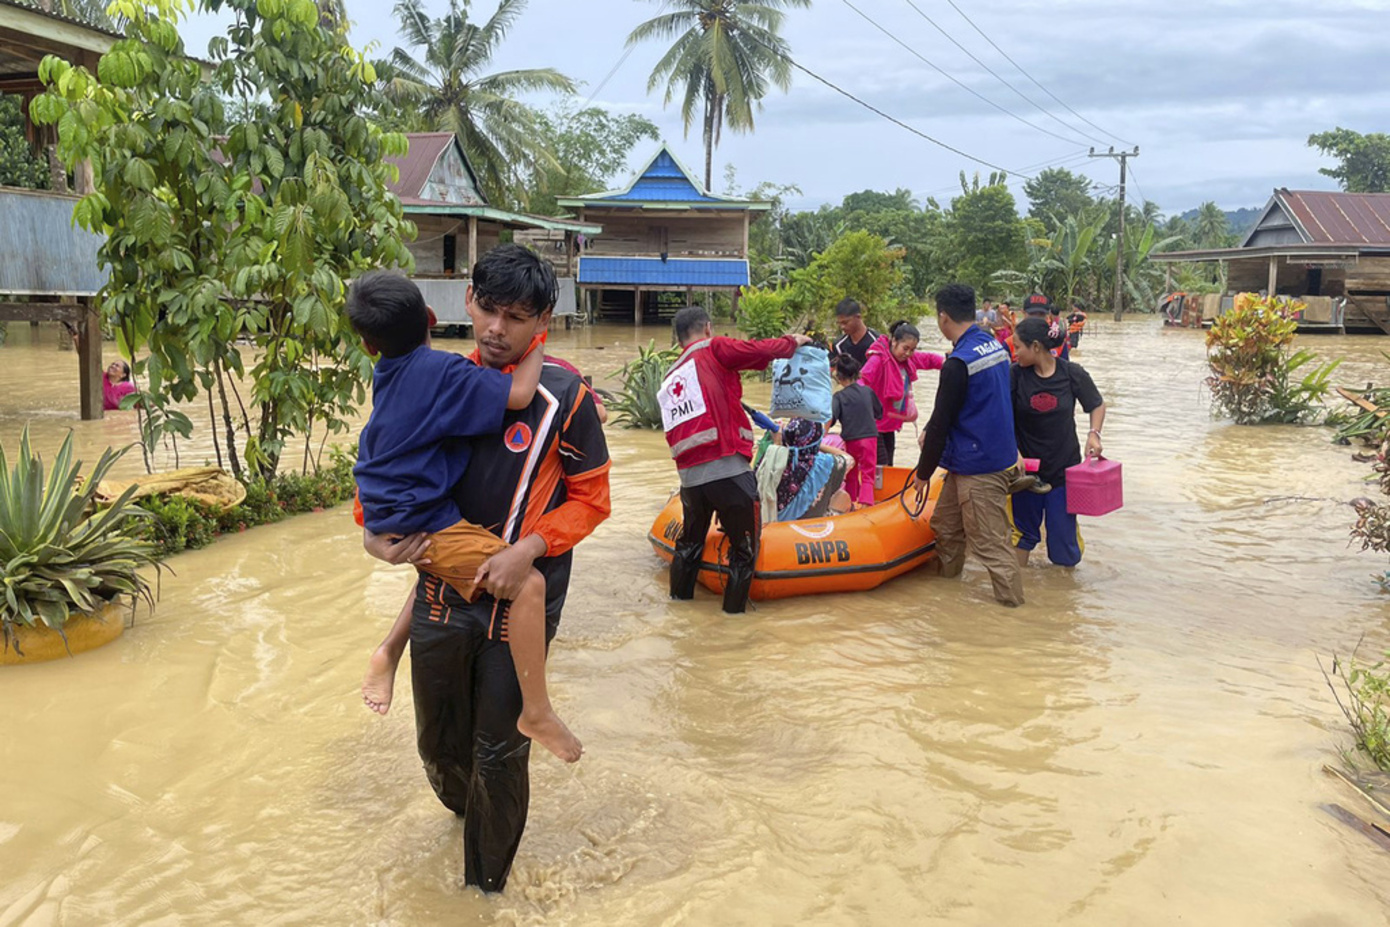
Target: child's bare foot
(546, 728)
(379, 683)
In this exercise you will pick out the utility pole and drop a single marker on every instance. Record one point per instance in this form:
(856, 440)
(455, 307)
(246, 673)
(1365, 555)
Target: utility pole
(1120, 156)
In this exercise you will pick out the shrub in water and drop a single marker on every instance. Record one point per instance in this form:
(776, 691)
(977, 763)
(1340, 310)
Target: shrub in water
(636, 404)
(1252, 361)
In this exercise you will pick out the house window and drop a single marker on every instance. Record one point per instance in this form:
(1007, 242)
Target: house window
(451, 245)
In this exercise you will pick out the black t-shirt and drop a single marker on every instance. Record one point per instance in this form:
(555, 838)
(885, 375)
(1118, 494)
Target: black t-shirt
(1045, 415)
(858, 409)
(859, 350)
(515, 478)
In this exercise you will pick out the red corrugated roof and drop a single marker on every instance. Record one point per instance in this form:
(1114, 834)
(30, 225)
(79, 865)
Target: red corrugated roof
(425, 151)
(1340, 218)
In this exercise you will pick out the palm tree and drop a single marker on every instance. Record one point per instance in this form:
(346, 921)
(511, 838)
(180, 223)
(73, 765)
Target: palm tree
(447, 91)
(1210, 227)
(724, 55)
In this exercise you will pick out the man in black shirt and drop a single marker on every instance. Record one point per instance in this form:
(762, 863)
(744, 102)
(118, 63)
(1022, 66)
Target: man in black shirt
(858, 336)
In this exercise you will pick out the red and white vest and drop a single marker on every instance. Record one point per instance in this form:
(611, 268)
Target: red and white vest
(701, 409)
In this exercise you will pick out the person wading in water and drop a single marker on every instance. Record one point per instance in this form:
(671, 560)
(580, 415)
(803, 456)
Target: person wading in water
(971, 436)
(712, 441)
(541, 486)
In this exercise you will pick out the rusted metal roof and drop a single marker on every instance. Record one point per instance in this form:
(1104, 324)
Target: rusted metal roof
(427, 150)
(1339, 218)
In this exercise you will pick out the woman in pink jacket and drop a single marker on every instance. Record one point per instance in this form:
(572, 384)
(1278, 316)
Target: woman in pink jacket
(890, 372)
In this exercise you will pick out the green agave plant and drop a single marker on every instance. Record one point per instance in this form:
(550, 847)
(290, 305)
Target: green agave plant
(636, 404)
(59, 554)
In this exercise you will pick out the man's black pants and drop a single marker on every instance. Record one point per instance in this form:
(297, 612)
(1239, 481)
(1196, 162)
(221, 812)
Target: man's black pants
(735, 500)
(467, 702)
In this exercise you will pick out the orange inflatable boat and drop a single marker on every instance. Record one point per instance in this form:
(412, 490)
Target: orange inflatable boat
(843, 553)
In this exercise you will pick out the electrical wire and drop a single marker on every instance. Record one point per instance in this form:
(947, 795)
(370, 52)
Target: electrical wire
(1032, 78)
(875, 110)
(968, 89)
(622, 59)
(997, 76)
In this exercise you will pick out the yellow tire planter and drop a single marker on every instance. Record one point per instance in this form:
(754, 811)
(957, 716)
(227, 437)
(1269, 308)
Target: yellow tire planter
(84, 632)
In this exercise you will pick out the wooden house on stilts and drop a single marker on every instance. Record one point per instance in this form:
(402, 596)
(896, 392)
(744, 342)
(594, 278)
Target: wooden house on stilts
(662, 234)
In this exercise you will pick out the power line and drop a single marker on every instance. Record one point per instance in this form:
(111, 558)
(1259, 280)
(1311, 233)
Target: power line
(1027, 99)
(622, 59)
(875, 110)
(975, 93)
(1031, 77)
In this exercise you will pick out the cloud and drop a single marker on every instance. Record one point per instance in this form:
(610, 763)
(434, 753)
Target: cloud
(1220, 95)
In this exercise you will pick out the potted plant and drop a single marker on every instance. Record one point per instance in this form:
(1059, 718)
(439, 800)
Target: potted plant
(63, 561)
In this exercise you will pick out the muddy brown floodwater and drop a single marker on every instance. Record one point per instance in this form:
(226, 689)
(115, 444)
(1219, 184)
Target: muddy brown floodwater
(1141, 744)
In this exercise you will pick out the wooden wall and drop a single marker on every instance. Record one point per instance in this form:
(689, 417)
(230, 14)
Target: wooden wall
(714, 234)
(1365, 284)
(428, 246)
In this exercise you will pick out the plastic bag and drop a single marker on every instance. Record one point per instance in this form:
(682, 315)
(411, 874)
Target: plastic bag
(801, 386)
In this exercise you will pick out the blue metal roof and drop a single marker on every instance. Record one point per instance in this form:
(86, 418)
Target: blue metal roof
(654, 272)
(664, 181)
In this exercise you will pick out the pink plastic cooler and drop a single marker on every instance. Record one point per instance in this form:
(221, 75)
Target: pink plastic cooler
(1094, 487)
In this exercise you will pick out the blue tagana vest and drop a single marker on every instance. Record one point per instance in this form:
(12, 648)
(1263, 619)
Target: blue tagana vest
(982, 440)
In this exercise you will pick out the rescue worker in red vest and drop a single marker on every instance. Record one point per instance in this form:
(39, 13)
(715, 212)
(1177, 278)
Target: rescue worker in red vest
(712, 442)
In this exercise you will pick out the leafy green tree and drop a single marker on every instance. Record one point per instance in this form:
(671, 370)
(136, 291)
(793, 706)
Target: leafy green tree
(859, 265)
(19, 167)
(220, 230)
(871, 201)
(445, 89)
(897, 219)
(725, 55)
(1055, 194)
(985, 234)
(1365, 159)
(590, 148)
(805, 234)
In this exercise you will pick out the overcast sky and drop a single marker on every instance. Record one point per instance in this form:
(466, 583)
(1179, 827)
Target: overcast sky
(1219, 95)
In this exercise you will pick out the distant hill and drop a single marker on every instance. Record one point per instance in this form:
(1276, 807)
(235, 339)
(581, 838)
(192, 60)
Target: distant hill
(1241, 219)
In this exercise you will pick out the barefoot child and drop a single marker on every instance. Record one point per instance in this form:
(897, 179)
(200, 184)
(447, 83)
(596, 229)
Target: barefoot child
(857, 409)
(413, 450)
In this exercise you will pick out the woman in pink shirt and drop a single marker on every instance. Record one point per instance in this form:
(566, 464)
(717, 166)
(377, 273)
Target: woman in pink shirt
(115, 385)
(890, 372)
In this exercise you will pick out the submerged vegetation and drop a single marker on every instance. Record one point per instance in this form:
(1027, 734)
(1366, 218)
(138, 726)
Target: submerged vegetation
(636, 404)
(1254, 367)
(1362, 692)
(177, 523)
(59, 553)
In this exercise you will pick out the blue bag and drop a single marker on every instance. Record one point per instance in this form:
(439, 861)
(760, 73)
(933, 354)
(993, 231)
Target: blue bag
(801, 386)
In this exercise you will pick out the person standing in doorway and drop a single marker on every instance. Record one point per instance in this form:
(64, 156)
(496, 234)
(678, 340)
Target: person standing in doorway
(858, 337)
(971, 436)
(711, 440)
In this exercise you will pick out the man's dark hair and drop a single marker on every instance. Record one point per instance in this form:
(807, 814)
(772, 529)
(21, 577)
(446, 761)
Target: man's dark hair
(848, 307)
(957, 301)
(387, 310)
(688, 320)
(511, 276)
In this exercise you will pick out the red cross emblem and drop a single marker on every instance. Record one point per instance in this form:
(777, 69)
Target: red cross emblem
(678, 388)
